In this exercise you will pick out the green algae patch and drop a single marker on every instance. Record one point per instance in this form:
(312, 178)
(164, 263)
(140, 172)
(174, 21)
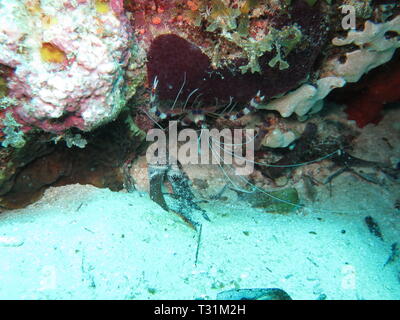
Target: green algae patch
(277, 201)
(14, 137)
(232, 24)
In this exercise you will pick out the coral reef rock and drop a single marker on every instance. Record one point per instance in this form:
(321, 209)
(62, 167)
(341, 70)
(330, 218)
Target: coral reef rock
(376, 47)
(68, 60)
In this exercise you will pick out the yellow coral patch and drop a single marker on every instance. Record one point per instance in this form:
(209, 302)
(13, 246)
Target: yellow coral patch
(3, 87)
(33, 6)
(52, 54)
(48, 21)
(248, 5)
(102, 6)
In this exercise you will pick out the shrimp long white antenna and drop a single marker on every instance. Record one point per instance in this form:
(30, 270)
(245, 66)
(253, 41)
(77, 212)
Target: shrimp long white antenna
(227, 106)
(155, 82)
(180, 91)
(303, 206)
(255, 188)
(248, 182)
(267, 164)
(223, 170)
(233, 107)
(152, 119)
(153, 95)
(195, 99)
(187, 99)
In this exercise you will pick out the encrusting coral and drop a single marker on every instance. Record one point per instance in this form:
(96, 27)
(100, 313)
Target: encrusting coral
(68, 60)
(380, 89)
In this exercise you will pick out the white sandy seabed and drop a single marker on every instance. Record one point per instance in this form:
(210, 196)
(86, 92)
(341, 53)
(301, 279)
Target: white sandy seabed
(80, 242)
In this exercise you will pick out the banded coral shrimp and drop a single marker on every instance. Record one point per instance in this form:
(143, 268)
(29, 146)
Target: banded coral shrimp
(202, 118)
(198, 115)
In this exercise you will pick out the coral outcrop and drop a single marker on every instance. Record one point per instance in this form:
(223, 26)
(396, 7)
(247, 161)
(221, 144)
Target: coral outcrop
(295, 52)
(68, 60)
(376, 45)
(378, 88)
(74, 63)
(246, 46)
(69, 66)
